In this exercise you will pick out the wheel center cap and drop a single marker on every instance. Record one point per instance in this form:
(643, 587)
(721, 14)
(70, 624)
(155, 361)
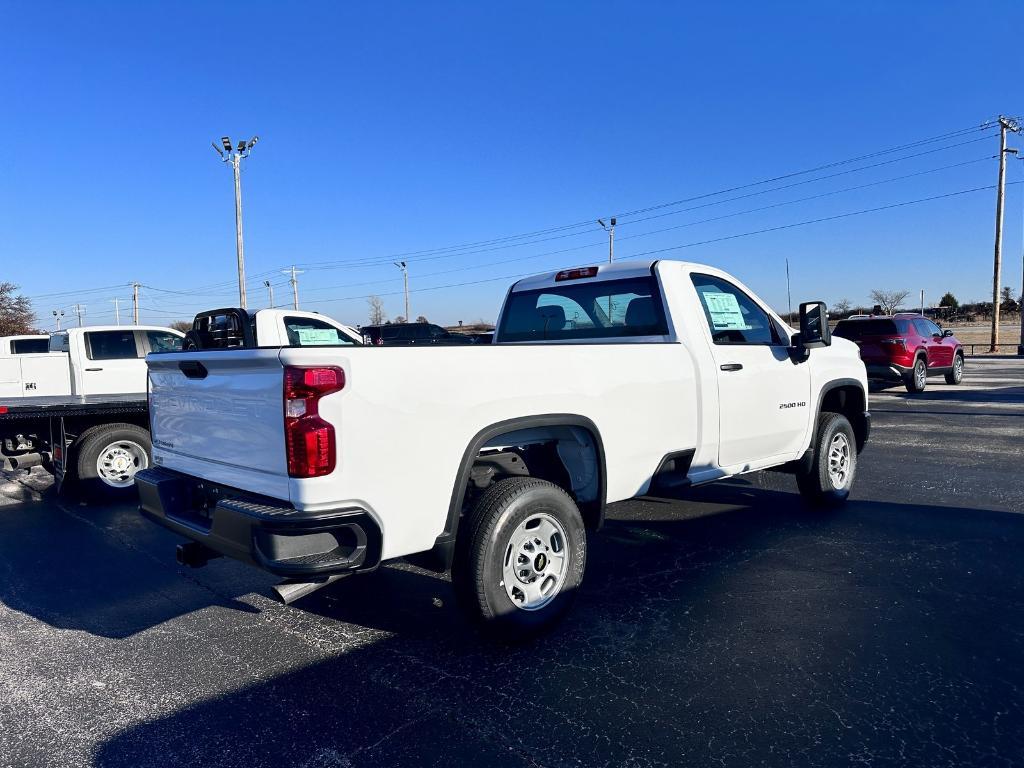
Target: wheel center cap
(540, 561)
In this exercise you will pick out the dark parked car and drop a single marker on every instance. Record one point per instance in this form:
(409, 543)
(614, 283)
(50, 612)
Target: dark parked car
(404, 334)
(905, 348)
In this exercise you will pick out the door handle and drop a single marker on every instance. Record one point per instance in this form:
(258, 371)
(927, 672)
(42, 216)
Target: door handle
(94, 369)
(732, 367)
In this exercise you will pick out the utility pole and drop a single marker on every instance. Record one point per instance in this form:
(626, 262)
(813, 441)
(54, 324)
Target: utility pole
(58, 314)
(117, 311)
(79, 311)
(405, 276)
(789, 295)
(1005, 124)
(270, 288)
(294, 280)
(611, 237)
(922, 302)
(135, 303)
(1020, 304)
(235, 157)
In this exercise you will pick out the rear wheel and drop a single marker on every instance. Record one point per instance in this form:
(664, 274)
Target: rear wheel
(109, 456)
(917, 379)
(956, 375)
(519, 558)
(827, 482)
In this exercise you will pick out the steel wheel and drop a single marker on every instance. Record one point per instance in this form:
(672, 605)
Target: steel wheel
(118, 462)
(839, 461)
(534, 566)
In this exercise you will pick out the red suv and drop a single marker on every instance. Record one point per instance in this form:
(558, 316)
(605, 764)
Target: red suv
(905, 347)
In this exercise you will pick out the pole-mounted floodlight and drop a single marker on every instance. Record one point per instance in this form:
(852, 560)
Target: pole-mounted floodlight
(601, 222)
(217, 149)
(234, 155)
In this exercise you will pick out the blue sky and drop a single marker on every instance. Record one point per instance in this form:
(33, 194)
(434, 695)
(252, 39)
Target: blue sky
(399, 128)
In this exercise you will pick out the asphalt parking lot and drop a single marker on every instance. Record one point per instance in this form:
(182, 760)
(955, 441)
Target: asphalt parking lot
(731, 628)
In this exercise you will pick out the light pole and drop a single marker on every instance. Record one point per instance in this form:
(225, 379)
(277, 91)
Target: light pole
(235, 157)
(117, 310)
(270, 289)
(58, 314)
(405, 276)
(611, 237)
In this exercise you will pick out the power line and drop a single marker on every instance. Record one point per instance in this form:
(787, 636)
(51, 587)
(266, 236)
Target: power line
(709, 241)
(678, 226)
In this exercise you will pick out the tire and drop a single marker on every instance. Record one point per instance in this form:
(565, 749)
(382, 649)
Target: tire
(828, 481)
(107, 458)
(506, 556)
(917, 379)
(956, 375)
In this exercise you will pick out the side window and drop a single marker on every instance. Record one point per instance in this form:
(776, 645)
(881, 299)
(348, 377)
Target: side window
(933, 328)
(307, 332)
(30, 346)
(732, 316)
(111, 345)
(161, 341)
(921, 326)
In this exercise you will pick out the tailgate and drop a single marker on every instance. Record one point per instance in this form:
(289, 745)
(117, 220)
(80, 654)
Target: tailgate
(218, 415)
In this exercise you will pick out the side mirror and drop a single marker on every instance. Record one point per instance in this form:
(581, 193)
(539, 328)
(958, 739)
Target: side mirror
(947, 333)
(814, 330)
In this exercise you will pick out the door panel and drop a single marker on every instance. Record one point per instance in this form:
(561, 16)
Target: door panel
(763, 395)
(113, 363)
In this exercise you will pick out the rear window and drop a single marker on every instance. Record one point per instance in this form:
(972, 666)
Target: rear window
(162, 341)
(30, 346)
(856, 329)
(610, 309)
(111, 345)
(307, 332)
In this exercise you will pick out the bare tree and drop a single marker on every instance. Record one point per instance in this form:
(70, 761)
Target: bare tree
(181, 325)
(16, 315)
(422, 319)
(399, 320)
(377, 314)
(889, 301)
(841, 307)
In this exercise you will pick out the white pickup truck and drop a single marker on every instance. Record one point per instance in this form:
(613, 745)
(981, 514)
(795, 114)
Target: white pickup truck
(602, 384)
(80, 409)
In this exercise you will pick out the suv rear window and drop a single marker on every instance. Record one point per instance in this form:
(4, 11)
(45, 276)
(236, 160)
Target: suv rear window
(609, 309)
(858, 329)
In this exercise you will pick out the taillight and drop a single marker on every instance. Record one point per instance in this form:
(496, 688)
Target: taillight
(309, 440)
(895, 342)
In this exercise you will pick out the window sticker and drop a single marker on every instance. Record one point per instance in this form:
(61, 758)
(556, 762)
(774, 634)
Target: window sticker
(725, 312)
(314, 336)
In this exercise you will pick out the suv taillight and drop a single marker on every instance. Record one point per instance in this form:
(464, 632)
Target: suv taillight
(309, 440)
(895, 342)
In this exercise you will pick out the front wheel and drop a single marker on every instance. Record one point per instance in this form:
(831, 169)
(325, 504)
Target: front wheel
(519, 558)
(956, 375)
(830, 477)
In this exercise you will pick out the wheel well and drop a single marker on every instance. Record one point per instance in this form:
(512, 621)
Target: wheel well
(848, 399)
(570, 456)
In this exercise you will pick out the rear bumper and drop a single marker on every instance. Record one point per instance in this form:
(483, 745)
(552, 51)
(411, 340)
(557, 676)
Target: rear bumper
(887, 371)
(266, 533)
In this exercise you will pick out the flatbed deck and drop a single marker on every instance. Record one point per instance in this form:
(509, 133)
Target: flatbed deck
(15, 409)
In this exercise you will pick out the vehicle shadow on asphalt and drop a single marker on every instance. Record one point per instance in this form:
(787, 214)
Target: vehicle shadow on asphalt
(749, 604)
(955, 395)
(100, 569)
